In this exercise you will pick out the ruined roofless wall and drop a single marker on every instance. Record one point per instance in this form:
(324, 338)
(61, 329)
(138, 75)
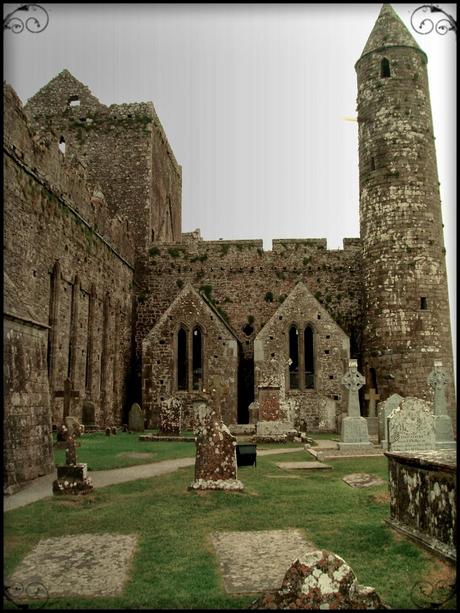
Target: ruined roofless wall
(48, 218)
(127, 154)
(247, 285)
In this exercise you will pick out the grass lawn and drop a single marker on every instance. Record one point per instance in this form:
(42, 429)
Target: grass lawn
(103, 452)
(175, 565)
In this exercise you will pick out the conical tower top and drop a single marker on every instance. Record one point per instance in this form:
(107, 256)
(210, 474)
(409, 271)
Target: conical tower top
(389, 31)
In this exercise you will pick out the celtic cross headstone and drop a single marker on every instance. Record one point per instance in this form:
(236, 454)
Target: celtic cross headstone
(354, 432)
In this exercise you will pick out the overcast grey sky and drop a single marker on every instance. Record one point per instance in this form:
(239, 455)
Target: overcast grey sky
(255, 101)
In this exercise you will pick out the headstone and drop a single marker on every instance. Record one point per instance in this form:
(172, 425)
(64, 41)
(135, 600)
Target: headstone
(136, 418)
(113, 429)
(411, 426)
(108, 431)
(444, 433)
(253, 411)
(67, 393)
(72, 477)
(171, 416)
(372, 421)
(88, 413)
(384, 410)
(320, 580)
(354, 431)
(327, 415)
(269, 403)
(125, 428)
(215, 461)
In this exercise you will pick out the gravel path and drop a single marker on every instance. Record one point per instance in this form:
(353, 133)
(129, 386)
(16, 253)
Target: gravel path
(42, 487)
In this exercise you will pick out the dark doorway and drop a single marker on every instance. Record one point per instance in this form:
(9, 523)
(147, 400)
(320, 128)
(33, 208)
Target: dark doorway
(245, 388)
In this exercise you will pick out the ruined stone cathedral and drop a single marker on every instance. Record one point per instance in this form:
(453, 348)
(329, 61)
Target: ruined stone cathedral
(102, 287)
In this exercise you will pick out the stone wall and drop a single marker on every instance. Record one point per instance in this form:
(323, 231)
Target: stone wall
(72, 261)
(247, 285)
(331, 353)
(126, 150)
(160, 361)
(27, 441)
(406, 305)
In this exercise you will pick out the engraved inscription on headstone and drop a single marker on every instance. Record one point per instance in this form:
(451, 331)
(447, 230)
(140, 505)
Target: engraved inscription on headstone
(411, 426)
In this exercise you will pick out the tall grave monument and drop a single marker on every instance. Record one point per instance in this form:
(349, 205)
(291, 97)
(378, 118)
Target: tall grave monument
(444, 434)
(354, 427)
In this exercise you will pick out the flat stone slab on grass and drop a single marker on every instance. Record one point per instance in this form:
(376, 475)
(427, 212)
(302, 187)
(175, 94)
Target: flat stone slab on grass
(257, 561)
(332, 454)
(136, 455)
(362, 480)
(302, 465)
(81, 565)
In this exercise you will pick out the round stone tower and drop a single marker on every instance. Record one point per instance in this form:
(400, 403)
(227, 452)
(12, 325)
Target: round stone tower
(406, 305)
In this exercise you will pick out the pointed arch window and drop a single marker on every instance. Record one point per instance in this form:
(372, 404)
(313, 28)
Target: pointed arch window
(309, 358)
(197, 359)
(182, 360)
(385, 68)
(293, 358)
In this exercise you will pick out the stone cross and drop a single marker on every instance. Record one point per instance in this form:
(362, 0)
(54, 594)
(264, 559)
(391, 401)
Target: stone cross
(353, 381)
(71, 452)
(68, 393)
(372, 396)
(438, 379)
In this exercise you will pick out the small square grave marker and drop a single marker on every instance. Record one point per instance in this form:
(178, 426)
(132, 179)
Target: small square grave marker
(82, 565)
(362, 480)
(257, 561)
(302, 465)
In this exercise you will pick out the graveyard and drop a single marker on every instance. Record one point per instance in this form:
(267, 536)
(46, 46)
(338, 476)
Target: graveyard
(197, 536)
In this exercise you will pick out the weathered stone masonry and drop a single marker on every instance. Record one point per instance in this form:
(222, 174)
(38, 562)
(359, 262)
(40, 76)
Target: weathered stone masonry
(406, 308)
(63, 251)
(100, 279)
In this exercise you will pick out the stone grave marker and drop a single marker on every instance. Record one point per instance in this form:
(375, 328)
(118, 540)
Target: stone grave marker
(254, 561)
(444, 433)
(411, 426)
(354, 431)
(71, 476)
(88, 413)
(384, 410)
(78, 565)
(171, 416)
(361, 480)
(372, 420)
(320, 580)
(136, 418)
(73, 426)
(215, 460)
(67, 393)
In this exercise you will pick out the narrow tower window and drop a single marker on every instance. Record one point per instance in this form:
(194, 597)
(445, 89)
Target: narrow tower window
(182, 362)
(372, 163)
(62, 145)
(423, 303)
(293, 358)
(385, 68)
(309, 358)
(73, 101)
(197, 359)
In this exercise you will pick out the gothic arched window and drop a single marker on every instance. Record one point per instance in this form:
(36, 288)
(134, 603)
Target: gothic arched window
(385, 68)
(309, 358)
(182, 360)
(197, 359)
(293, 358)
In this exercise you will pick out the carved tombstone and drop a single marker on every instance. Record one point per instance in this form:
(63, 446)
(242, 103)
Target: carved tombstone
(136, 418)
(411, 427)
(72, 476)
(354, 431)
(215, 461)
(171, 416)
(384, 410)
(88, 413)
